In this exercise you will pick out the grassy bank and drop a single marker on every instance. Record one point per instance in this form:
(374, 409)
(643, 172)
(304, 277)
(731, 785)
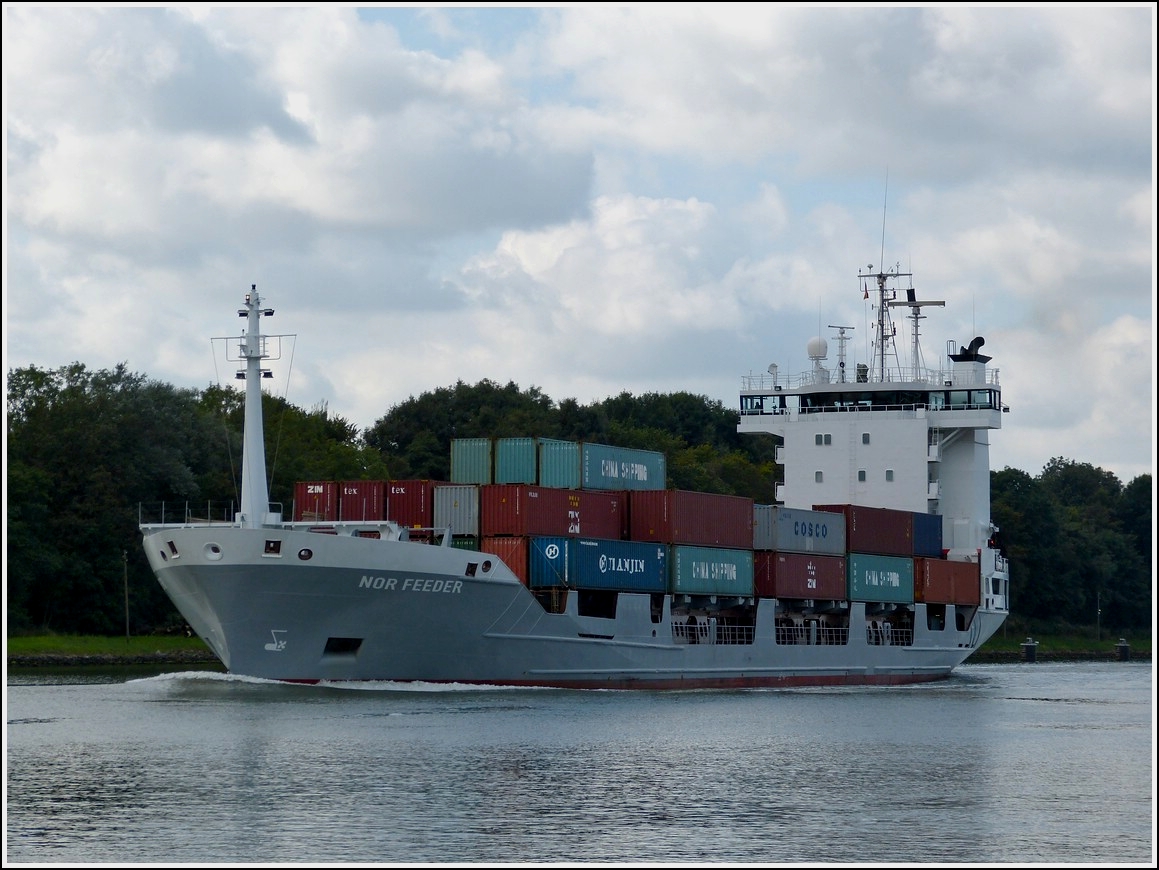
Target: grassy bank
(1061, 644)
(72, 651)
(87, 645)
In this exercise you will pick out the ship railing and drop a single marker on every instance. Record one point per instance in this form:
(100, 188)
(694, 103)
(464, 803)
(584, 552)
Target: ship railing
(738, 633)
(712, 631)
(885, 634)
(821, 635)
(695, 632)
(832, 635)
(907, 375)
(853, 408)
(187, 513)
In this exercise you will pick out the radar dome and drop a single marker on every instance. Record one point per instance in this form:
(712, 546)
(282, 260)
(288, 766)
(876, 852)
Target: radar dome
(818, 348)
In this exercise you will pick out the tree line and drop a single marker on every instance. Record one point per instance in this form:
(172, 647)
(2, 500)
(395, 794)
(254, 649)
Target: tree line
(86, 449)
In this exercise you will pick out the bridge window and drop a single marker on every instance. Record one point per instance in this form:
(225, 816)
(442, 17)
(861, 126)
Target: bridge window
(752, 404)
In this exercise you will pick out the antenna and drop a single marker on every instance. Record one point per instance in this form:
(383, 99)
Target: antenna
(915, 308)
(884, 328)
(884, 202)
(842, 338)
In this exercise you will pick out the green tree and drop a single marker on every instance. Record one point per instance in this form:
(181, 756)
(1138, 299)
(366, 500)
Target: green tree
(104, 441)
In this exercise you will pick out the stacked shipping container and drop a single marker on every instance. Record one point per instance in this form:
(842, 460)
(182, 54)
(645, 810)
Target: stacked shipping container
(361, 500)
(561, 464)
(523, 509)
(677, 516)
(559, 513)
(798, 553)
(316, 501)
(590, 563)
(410, 503)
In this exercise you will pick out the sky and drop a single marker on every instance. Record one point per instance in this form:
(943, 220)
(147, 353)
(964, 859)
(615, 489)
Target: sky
(590, 199)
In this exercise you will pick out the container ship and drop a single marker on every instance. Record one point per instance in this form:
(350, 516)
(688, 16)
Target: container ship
(574, 565)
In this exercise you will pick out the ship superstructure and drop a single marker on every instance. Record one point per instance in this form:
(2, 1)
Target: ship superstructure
(890, 435)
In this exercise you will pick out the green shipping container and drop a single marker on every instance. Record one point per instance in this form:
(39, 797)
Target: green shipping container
(875, 578)
(712, 571)
(515, 460)
(471, 460)
(559, 463)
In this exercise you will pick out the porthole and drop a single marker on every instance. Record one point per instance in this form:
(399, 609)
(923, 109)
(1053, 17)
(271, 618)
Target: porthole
(305, 554)
(164, 556)
(486, 566)
(212, 552)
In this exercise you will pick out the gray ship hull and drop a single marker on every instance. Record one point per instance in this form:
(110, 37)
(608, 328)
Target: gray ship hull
(292, 605)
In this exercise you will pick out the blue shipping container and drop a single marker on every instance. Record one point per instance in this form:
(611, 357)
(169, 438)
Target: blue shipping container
(597, 563)
(928, 535)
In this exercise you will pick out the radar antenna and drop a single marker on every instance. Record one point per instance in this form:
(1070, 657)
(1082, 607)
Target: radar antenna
(915, 308)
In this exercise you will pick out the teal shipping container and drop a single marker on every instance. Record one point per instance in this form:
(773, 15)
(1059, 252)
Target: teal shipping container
(711, 571)
(472, 460)
(559, 463)
(597, 563)
(886, 579)
(516, 460)
(605, 467)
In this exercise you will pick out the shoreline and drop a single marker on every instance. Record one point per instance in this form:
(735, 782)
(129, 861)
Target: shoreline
(195, 657)
(64, 660)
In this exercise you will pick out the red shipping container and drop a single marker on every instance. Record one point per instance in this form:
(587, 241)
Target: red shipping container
(874, 530)
(679, 516)
(512, 550)
(410, 503)
(799, 575)
(361, 500)
(316, 501)
(598, 513)
(524, 509)
(940, 581)
(521, 509)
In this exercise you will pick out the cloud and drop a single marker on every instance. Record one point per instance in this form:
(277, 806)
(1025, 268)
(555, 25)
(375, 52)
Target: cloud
(590, 199)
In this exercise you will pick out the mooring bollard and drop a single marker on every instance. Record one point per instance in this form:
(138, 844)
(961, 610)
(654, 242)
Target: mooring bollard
(1029, 650)
(1123, 650)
